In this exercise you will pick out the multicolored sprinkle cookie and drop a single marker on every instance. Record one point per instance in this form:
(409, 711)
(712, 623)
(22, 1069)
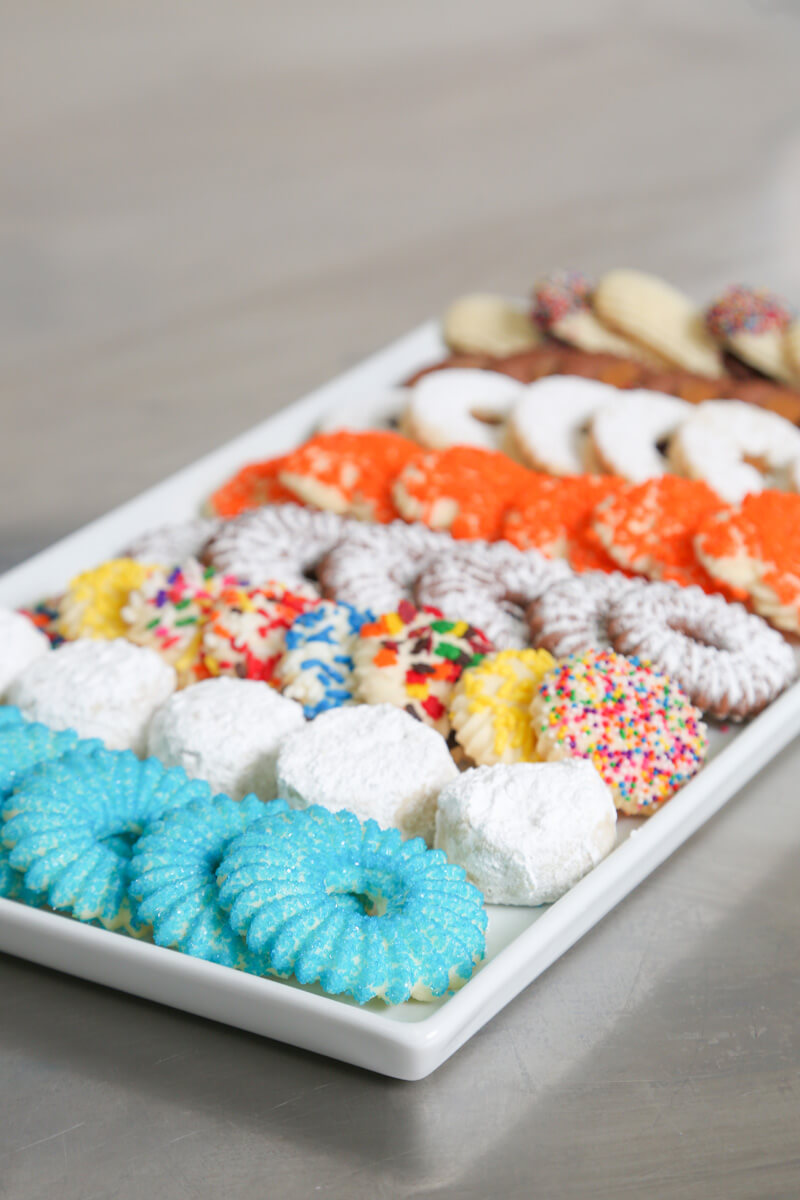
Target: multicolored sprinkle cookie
(490, 706)
(412, 658)
(316, 668)
(93, 602)
(634, 724)
(245, 631)
(562, 307)
(751, 323)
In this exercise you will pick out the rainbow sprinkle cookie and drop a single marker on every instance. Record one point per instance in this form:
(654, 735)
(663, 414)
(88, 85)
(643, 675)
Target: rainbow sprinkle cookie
(635, 725)
(168, 611)
(490, 707)
(413, 658)
(93, 602)
(751, 323)
(317, 666)
(245, 632)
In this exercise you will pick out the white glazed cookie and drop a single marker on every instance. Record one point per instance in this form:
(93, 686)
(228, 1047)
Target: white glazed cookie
(173, 543)
(21, 643)
(728, 661)
(101, 689)
(721, 439)
(526, 833)
(658, 316)
(485, 324)
(572, 615)
(548, 423)
(226, 731)
(380, 409)
(376, 566)
(490, 585)
(374, 760)
(282, 542)
(461, 406)
(626, 434)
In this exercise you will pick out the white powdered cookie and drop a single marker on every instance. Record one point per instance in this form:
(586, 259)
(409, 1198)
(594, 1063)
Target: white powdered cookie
(658, 316)
(376, 410)
(21, 643)
(462, 406)
(548, 423)
(487, 324)
(626, 434)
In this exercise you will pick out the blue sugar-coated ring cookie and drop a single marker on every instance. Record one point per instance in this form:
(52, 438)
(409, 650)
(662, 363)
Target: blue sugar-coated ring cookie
(72, 823)
(318, 656)
(352, 906)
(12, 883)
(173, 882)
(25, 744)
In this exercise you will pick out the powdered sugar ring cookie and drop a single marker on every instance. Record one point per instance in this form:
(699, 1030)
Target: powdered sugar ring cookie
(634, 724)
(487, 324)
(562, 308)
(282, 542)
(572, 615)
(168, 612)
(349, 472)
(245, 630)
(650, 528)
(376, 409)
(627, 434)
(722, 438)
(552, 515)
(376, 566)
(548, 424)
(757, 547)
(463, 489)
(751, 323)
(460, 408)
(175, 542)
(489, 585)
(93, 602)
(412, 658)
(728, 662)
(490, 706)
(316, 668)
(255, 484)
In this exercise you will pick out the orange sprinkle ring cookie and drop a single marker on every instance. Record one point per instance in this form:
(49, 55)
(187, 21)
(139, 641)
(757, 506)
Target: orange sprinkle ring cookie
(757, 547)
(254, 485)
(463, 489)
(349, 472)
(649, 528)
(553, 514)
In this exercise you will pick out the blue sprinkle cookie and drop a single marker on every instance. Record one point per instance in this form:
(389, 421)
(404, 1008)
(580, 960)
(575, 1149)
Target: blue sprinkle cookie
(25, 744)
(173, 878)
(12, 883)
(352, 906)
(72, 823)
(317, 666)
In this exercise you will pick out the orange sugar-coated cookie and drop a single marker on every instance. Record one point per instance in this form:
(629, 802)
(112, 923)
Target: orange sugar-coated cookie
(349, 472)
(553, 514)
(756, 547)
(649, 528)
(463, 489)
(254, 485)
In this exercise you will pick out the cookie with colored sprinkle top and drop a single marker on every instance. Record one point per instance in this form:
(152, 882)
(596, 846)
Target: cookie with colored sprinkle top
(634, 724)
(348, 472)
(490, 706)
(93, 602)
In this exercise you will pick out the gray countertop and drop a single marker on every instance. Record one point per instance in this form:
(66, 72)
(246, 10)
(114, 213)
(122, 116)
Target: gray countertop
(204, 211)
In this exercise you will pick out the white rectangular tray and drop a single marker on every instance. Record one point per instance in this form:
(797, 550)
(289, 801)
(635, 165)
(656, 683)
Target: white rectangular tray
(411, 1040)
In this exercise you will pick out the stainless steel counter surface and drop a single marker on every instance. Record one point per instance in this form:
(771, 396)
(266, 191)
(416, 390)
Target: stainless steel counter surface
(204, 211)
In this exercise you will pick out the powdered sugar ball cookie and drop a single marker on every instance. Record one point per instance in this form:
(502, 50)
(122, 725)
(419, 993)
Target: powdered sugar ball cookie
(490, 586)
(245, 630)
(549, 423)
(226, 731)
(376, 566)
(175, 542)
(392, 770)
(282, 542)
(572, 615)
(103, 689)
(526, 833)
(729, 662)
(21, 643)
(460, 407)
(317, 664)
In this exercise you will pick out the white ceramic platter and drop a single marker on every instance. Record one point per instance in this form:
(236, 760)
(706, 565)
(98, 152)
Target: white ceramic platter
(411, 1040)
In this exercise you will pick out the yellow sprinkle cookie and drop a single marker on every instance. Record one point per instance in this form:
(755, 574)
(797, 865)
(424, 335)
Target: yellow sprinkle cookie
(490, 708)
(93, 602)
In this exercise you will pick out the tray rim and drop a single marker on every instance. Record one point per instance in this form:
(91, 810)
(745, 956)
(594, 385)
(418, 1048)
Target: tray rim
(268, 1007)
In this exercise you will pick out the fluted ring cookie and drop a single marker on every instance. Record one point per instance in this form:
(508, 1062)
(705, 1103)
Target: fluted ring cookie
(572, 615)
(375, 566)
(490, 706)
(283, 542)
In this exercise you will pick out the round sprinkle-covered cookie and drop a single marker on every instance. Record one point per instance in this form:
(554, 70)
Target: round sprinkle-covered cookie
(316, 668)
(553, 516)
(25, 744)
(349, 472)
(44, 615)
(490, 706)
(93, 602)
(245, 631)
(256, 484)
(21, 643)
(374, 760)
(412, 658)
(634, 724)
(751, 323)
(463, 489)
